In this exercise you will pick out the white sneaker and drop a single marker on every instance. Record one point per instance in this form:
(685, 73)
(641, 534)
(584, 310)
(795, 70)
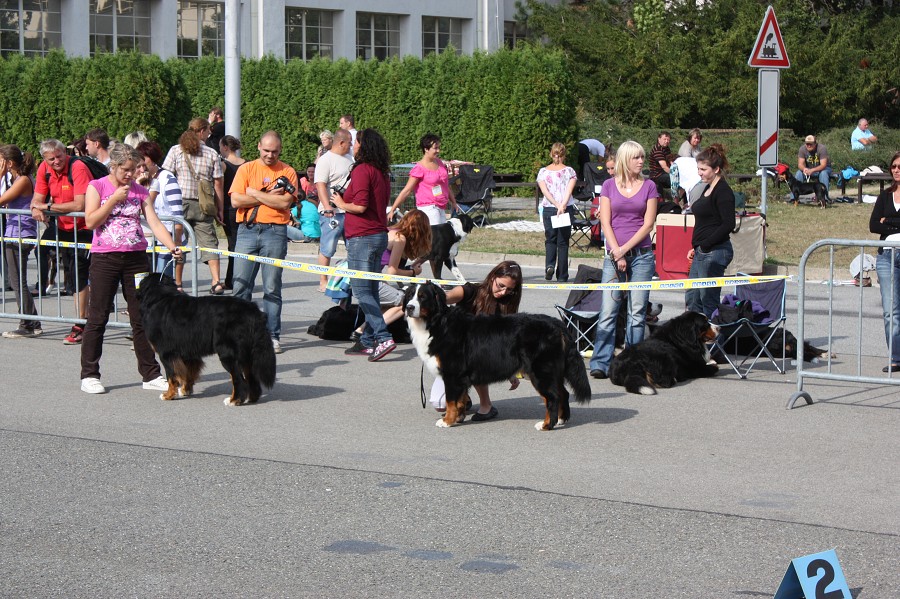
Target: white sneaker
(157, 384)
(276, 345)
(92, 385)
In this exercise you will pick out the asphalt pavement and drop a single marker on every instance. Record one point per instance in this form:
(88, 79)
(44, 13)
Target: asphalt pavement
(338, 484)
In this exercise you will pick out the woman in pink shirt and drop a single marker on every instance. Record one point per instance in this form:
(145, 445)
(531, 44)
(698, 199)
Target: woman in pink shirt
(431, 182)
(113, 207)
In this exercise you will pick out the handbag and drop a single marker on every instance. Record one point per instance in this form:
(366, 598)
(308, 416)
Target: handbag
(205, 192)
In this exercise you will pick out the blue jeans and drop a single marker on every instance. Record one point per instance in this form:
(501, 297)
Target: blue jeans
(888, 270)
(266, 241)
(638, 268)
(707, 265)
(364, 253)
(824, 176)
(556, 244)
(330, 236)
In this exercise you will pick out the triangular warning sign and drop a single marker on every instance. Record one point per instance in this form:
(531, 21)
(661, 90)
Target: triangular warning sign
(769, 51)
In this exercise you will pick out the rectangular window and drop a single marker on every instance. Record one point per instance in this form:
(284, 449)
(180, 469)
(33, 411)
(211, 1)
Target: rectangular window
(30, 27)
(377, 36)
(201, 29)
(514, 32)
(119, 25)
(440, 32)
(308, 34)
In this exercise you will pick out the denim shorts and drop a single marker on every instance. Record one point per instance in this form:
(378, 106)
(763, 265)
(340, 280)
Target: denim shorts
(330, 236)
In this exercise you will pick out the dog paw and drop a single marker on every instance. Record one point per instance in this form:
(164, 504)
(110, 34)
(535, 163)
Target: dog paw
(441, 424)
(231, 402)
(560, 422)
(181, 392)
(163, 397)
(539, 425)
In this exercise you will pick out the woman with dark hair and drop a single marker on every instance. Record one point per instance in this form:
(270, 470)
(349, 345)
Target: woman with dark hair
(365, 227)
(113, 206)
(499, 293)
(711, 250)
(229, 146)
(430, 180)
(16, 190)
(885, 221)
(193, 161)
(166, 197)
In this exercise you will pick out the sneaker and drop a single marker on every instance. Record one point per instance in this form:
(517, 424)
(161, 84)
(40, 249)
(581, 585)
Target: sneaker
(276, 345)
(92, 385)
(599, 374)
(75, 335)
(358, 349)
(22, 333)
(382, 349)
(157, 384)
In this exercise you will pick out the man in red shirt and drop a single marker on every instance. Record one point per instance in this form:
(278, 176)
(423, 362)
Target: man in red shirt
(60, 191)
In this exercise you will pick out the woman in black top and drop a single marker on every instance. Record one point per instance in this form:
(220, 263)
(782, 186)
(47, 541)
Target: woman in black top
(885, 221)
(228, 148)
(711, 250)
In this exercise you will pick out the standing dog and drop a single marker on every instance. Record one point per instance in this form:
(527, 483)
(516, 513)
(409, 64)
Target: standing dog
(471, 350)
(799, 188)
(183, 330)
(445, 240)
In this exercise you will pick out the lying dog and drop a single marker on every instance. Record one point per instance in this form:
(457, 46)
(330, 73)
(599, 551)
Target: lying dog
(799, 188)
(183, 330)
(745, 346)
(675, 352)
(445, 240)
(468, 350)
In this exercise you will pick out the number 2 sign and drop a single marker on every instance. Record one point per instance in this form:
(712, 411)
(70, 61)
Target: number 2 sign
(816, 576)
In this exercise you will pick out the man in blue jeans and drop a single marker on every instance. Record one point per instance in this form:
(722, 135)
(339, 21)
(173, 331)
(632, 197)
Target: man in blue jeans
(260, 193)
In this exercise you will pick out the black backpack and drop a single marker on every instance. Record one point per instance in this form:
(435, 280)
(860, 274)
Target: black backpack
(97, 169)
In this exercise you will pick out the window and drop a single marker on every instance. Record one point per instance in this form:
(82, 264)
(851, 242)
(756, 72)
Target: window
(201, 29)
(377, 36)
(30, 27)
(308, 34)
(514, 32)
(440, 32)
(119, 25)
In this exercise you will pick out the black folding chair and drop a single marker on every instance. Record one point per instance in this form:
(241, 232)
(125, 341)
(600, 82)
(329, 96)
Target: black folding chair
(476, 189)
(771, 296)
(582, 310)
(588, 194)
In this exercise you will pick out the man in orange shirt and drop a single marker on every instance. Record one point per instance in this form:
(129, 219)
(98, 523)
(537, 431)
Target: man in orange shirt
(263, 192)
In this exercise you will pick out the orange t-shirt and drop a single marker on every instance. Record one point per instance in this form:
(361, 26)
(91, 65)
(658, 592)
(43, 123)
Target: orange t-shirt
(257, 175)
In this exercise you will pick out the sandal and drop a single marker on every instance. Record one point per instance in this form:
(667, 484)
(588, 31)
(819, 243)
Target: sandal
(217, 288)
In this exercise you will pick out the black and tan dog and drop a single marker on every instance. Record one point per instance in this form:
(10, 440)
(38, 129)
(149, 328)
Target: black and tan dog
(799, 188)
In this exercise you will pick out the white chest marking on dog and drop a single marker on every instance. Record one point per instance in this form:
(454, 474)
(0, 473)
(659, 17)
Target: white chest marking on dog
(421, 339)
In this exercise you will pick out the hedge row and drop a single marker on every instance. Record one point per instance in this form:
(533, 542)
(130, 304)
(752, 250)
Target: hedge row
(503, 109)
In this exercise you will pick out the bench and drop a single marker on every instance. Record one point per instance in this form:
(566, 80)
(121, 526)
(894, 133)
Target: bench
(882, 178)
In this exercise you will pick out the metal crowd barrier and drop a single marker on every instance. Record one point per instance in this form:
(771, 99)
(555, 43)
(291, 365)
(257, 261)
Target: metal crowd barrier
(829, 374)
(43, 298)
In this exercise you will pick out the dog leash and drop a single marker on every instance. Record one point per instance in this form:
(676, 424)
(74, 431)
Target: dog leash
(422, 386)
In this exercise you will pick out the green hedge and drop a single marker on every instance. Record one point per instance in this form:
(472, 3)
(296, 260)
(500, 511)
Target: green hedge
(504, 108)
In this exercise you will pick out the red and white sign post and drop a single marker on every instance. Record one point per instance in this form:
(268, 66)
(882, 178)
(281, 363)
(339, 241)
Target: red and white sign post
(769, 55)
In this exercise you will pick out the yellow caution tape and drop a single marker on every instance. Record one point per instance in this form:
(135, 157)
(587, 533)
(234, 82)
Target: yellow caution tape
(318, 269)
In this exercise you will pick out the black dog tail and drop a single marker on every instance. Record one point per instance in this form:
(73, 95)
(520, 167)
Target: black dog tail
(576, 375)
(262, 362)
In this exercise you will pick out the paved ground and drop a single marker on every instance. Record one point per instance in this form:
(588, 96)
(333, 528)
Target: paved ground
(338, 484)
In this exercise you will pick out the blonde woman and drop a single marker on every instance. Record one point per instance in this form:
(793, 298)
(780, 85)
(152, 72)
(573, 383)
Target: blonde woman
(627, 214)
(557, 181)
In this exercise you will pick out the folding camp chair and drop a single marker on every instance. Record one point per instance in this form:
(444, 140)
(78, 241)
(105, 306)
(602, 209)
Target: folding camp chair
(582, 310)
(476, 185)
(769, 296)
(583, 226)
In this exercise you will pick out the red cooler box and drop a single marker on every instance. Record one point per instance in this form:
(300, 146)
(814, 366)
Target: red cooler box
(673, 241)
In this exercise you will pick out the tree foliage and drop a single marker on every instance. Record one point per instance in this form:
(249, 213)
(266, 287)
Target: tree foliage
(684, 63)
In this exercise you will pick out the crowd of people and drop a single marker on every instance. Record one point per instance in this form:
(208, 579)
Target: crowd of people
(344, 195)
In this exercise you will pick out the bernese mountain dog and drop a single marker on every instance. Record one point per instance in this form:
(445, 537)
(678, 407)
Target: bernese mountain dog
(183, 330)
(445, 240)
(676, 351)
(469, 350)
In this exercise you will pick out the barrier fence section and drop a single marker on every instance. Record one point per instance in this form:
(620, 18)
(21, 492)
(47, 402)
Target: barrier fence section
(829, 374)
(46, 245)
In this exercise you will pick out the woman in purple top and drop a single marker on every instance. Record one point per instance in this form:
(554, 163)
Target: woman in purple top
(17, 188)
(113, 206)
(627, 214)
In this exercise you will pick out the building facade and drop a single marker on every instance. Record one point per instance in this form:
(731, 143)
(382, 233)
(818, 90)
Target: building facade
(287, 29)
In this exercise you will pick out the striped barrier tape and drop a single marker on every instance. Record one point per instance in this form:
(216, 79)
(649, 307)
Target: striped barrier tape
(328, 271)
